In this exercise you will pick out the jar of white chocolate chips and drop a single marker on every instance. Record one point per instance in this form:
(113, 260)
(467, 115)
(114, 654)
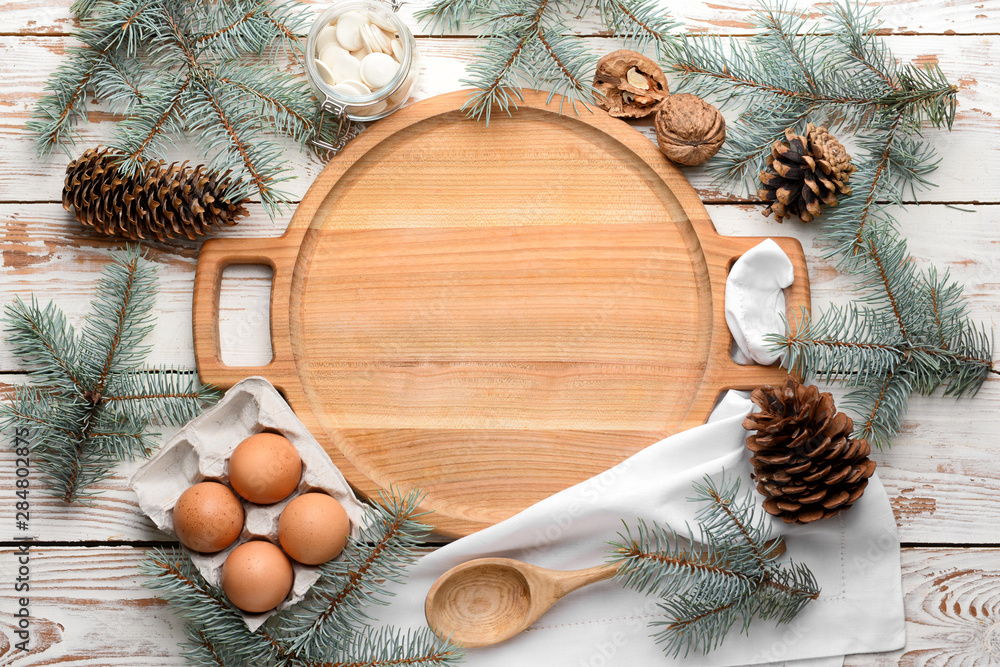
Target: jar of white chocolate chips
(362, 62)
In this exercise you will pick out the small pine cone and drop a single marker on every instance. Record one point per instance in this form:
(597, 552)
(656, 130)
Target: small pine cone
(162, 202)
(806, 463)
(805, 172)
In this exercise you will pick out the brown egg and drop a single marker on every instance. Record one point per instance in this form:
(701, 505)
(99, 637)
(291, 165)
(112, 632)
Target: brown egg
(257, 576)
(208, 517)
(313, 528)
(265, 468)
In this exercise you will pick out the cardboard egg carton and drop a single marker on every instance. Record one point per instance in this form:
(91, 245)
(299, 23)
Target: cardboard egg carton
(200, 452)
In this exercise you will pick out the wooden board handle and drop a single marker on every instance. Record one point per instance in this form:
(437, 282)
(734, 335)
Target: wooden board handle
(215, 256)
(722, 373)
(737, 376)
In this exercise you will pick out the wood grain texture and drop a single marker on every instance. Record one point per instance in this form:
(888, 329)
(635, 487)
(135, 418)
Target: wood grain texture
(492, 332)
(38, 17)
(943, 474)
(486, 601)
(943, 471)
(967, 61)
(89, 609)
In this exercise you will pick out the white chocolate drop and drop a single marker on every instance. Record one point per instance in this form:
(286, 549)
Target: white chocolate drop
(361, 53)
(349, 30)
(331, 51)
(369, 39)
(376, 40)
(382, 21)
(397, 49)
(345, 66)
(326, 36)
(359, 88)
(384, 39)
(377, 70)
(324, 72)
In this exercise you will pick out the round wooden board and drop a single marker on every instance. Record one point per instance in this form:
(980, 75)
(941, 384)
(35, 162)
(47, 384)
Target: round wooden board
(493, 313)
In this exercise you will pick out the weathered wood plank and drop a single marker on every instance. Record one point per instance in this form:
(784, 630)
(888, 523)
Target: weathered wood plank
(37, 17)
(952, 610)
(24, 176)
(44, 251)
(112, 516)
(943, 472)
(88, 608)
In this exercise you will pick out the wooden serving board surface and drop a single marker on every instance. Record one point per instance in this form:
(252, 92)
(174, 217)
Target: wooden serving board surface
(492, 314)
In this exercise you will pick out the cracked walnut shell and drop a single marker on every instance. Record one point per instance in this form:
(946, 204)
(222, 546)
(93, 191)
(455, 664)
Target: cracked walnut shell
(629, 85)
(689, 130)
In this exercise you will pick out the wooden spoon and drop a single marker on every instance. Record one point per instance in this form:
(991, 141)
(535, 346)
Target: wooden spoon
(489, 600)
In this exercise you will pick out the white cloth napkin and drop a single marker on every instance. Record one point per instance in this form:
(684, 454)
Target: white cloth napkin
(855, 557)
(755, 301)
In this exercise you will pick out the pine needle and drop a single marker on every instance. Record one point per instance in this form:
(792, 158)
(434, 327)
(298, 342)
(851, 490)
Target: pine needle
(726, 574)
(180, 67)
(528, 43)
(330, 628)
(907, 332)
(91, 402)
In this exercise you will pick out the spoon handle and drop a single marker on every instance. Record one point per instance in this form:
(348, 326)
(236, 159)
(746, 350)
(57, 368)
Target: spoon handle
(569, 581)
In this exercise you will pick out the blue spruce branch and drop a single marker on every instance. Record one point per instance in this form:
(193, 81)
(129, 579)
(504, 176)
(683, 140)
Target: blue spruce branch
(726, 574)
(907, 332)
(178, 68)
(91, 402)
(527, 43)
(330, 628)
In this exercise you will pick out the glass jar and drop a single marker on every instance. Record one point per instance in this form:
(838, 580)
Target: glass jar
(345, 107)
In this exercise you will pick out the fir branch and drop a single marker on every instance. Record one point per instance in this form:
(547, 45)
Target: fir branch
(177, 68)
(91, 404)
(64, 102)
(235, 137)
(388, 647)
(640, 24)
(273, 96)
(904, 332)
(731, 574)
(851, 345)
(697, 625)
(336, 602)
(146, 132)
(44, 338)
(167, 395)
(219, 636)
(881, 406)
(122, 317)
(658, 561)
(527, 43)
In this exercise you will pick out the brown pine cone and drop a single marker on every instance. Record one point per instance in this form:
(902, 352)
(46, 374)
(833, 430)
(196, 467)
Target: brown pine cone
(161, 202)
(807, 465)
(804, 173)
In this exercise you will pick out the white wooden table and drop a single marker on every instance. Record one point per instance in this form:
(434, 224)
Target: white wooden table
(943, 474)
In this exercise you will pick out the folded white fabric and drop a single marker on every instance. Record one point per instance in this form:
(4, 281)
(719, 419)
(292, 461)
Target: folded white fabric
(854, 556)
(755, 302)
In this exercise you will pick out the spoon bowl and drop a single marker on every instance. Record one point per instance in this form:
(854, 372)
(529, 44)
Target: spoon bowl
(489, 600)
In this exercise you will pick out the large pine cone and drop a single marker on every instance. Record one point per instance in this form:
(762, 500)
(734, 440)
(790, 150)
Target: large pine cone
(162, 202)
(805, 172)
(806, 463)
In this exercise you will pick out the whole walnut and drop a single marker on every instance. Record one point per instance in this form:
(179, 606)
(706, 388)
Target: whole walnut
(629, 85)
(689, 130)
